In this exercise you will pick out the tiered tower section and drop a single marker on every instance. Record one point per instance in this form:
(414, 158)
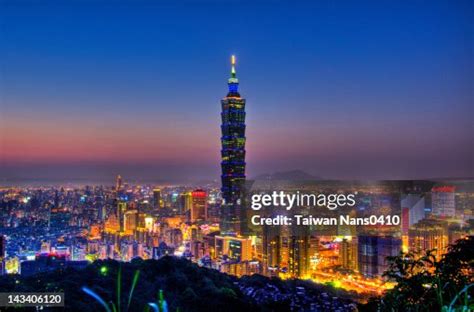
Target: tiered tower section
(233, 155)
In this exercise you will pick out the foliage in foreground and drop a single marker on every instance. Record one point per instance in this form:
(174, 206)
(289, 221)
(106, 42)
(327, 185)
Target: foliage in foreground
(425, 284)
(169, 284)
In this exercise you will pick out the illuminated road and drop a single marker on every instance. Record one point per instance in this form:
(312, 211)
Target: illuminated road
(353, 282)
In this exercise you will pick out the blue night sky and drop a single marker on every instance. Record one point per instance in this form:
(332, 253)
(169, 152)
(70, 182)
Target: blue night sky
(340, 89)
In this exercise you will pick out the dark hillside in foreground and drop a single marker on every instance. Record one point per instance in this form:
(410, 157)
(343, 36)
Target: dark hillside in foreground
(185, 286)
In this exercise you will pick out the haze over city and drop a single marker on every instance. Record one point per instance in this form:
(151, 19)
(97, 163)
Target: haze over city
(340, 90)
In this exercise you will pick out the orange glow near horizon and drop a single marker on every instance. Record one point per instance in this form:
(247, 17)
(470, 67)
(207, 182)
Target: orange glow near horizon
(47, 142)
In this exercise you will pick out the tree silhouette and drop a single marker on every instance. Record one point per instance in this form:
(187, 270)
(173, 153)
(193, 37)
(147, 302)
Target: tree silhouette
(425, 284)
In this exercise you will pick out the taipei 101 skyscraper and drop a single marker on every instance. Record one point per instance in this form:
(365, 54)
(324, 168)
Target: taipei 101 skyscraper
(233, 156)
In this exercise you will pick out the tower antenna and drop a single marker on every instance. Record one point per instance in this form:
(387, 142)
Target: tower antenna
(232, 62)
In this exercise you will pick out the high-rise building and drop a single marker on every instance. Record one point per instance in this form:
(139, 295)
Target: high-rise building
(288, 249)
(429, 234)
(130, 221)
(298, 259)
(118, 183)
(156, 199)
(443, 201)
(187, 201)
(233, 155)
(348, 253)
(121, 209)
(199, 206)
(373, 252)
(413, 210)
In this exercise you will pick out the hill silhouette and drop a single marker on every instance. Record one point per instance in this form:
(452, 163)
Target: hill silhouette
(185, 286)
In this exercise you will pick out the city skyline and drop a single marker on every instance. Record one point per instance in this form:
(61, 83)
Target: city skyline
(343, 91)
(333, 172)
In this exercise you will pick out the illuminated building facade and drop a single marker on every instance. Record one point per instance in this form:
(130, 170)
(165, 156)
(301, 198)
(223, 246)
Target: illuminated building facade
(413, 210)
(12, 265)
(112, 224)
(348, 253)
(118, 183)
(373, 252)
(130, 221)
(157, 199)
(49, 262)
(288, 249)
(233, 155)
(443, 201)
(234, 248)
(199, 206)
(149, 222)
(241, 268)
(429, 234)
(121, 209)
(187, 201)
(298, 260)
(184, 202)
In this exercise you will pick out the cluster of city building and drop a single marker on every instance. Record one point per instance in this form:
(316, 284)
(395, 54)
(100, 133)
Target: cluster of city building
(43, 228)
(48, 227)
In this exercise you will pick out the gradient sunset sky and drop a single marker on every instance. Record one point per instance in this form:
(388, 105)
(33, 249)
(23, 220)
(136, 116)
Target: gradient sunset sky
(340, 89)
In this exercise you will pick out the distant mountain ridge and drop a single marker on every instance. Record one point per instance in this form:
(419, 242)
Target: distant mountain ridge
(288, 175)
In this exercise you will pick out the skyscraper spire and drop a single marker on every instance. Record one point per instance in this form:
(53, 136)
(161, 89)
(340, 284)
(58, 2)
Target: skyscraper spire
(233, 81)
